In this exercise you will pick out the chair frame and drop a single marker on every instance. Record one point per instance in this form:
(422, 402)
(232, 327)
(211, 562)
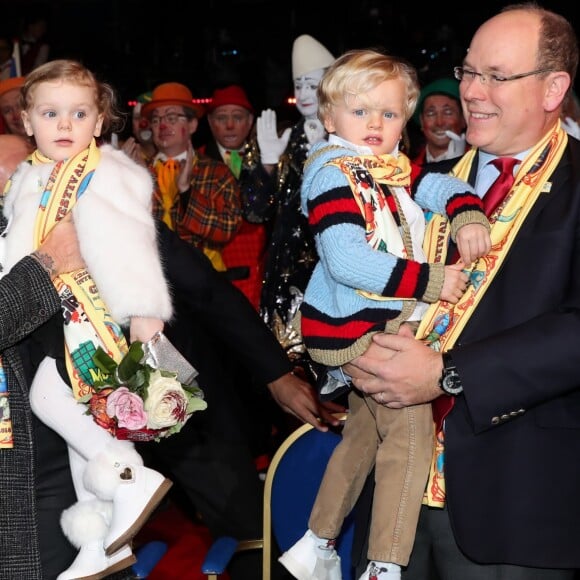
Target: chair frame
(230, 546)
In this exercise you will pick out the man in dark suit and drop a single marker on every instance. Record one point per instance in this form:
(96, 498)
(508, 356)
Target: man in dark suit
(506, 504)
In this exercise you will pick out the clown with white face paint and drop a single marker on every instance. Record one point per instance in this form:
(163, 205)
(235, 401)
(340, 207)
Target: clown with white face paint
(291, 254)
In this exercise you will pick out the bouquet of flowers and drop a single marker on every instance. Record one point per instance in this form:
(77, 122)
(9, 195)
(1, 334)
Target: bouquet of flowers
(135, 401)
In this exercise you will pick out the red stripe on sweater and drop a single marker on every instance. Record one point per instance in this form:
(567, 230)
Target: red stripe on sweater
(461, 203)
(330, 207)
(352, 329)
(409, 280)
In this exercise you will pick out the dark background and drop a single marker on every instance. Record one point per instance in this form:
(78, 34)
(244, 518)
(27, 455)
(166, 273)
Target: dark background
(216, 42)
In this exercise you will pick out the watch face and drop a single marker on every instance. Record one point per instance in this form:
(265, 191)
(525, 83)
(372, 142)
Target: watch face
(451, 383)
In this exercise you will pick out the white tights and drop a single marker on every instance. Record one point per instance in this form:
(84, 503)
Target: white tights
(53, 402)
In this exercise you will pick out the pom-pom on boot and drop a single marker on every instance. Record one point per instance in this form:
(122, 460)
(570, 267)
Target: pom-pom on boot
(118, 474)
(86, 524)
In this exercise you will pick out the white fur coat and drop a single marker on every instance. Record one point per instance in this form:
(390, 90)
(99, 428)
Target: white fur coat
(116, 232)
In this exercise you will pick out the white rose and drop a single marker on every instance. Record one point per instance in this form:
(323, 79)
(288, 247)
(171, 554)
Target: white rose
(166, 402)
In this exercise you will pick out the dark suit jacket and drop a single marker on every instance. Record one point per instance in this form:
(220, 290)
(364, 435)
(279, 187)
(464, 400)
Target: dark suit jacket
(512, 440)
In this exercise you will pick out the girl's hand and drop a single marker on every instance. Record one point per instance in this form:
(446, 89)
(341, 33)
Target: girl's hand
(143, 329)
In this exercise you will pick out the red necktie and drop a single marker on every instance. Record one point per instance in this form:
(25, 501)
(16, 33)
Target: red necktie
(491, 200)
(501, 186)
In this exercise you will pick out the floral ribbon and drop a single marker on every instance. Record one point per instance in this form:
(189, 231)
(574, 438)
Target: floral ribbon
(87, 321)
(444, 322)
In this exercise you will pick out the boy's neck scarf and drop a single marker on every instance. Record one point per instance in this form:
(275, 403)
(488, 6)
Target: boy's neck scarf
(444, 322)
(87, 322)
(387, 229)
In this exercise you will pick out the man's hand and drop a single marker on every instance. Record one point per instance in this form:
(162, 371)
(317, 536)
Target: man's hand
(143, 329)
(571, 127)
(298, 398)
(271, 146)
(457, 145)
(397, 371)
(60, 252)
(184, 177)
(314, 131)
(132, 148)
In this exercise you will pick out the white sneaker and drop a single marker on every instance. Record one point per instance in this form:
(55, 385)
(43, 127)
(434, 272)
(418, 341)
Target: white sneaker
(304, 563)
(382, 572)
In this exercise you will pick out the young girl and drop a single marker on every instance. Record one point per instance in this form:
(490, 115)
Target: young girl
(372, 277)
(109, 196)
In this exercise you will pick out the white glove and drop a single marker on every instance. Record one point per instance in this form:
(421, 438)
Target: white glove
(314, 131)
(271, 146)
(457, 144)
(571, 127)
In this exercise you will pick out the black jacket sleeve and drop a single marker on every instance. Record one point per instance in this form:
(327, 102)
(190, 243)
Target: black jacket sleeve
(27, 300)
(220, 307)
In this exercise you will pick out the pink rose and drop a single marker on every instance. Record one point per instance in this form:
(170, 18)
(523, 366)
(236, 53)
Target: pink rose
(127, 407)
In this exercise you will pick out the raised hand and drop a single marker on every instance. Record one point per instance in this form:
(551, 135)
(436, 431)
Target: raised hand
(271, 145)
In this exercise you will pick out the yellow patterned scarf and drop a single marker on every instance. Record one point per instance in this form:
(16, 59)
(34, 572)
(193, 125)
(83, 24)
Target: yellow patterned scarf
(382, 231)
(444, 322)
(87, 321)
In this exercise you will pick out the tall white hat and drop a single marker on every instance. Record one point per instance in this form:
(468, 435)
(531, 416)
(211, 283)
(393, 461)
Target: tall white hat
(308, 55)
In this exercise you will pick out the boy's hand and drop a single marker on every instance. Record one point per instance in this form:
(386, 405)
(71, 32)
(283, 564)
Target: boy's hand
(473, 241)
(454, 283)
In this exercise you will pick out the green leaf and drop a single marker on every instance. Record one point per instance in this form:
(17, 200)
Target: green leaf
(104, 362)
(195, 404)
(131, 362)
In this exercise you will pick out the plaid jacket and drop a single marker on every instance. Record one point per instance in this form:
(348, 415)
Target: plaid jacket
(209, 213)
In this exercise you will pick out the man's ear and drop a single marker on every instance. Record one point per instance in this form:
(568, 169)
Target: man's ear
(193, 125)
(557, 86)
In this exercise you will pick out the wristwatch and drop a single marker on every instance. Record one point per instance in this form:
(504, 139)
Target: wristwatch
(450, 382)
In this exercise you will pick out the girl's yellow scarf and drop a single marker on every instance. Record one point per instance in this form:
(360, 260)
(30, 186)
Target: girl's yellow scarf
(444, 322)
(87, 322)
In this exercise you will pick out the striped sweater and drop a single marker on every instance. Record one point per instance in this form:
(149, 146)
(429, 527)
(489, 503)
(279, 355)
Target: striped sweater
(337, 317)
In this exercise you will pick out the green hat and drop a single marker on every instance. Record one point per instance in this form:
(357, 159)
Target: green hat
(449, 87)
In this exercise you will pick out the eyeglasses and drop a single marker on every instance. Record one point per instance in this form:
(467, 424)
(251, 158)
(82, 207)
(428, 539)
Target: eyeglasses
(492, 79)
(236, 118)
(170, 119)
